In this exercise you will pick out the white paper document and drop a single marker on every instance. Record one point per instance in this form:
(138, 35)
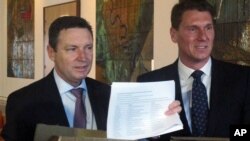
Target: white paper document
(136, 110)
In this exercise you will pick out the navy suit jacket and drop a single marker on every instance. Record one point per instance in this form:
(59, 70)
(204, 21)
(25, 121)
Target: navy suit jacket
(229, 97)
(40, 102)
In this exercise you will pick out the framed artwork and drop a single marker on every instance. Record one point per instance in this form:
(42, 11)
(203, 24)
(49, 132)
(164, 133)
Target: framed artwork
(20, 39)
(124, 39)
(50, 14)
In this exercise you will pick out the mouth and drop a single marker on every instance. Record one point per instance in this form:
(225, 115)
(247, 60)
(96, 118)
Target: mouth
(81, 68)
(201, 47)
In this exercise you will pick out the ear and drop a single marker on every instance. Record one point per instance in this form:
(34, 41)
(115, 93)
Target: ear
(51, 53)
(173, 34)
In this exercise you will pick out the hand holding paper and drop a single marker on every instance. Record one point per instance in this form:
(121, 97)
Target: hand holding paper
(137, 110)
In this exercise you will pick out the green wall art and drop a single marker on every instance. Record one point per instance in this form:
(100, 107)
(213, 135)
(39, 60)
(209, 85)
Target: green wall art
(124, 39)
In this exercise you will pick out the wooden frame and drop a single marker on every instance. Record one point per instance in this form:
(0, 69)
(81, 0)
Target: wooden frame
(50, 14)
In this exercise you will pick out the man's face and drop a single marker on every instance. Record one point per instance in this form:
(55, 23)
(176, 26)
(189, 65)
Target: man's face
(74, 54)
(194, 37)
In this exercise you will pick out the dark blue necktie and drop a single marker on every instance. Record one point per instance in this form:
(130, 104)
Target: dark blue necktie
(199, 109)
(80, 112)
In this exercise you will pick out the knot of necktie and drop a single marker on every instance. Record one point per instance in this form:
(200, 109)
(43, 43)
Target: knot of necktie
(77, 92)
(197, 74)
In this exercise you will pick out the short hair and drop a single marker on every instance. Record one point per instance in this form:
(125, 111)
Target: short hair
(185, 5)
(66, 22)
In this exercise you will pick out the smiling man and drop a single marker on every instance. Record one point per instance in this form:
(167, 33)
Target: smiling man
(224, 88)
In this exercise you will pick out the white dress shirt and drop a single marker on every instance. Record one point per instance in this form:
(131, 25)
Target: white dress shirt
(186, 81)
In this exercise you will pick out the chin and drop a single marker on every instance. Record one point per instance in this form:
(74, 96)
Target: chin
(80, 78)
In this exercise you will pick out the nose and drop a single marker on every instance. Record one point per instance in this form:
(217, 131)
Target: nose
(81, 54)
(202, 35)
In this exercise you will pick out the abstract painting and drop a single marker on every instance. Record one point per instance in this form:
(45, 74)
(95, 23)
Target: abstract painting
(124, 39)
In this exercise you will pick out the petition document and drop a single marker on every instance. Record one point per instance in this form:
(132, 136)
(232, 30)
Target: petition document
(136, 110)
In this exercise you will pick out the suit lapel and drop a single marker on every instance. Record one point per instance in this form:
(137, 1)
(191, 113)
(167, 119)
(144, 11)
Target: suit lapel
(216, 96)
(99, 99)
(179, 97)
(53, 102)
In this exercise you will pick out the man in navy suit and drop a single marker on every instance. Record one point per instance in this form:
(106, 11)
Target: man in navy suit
(49, 100)
(227, 85)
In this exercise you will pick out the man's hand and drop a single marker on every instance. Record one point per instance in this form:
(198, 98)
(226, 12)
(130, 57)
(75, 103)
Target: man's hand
(174, 107)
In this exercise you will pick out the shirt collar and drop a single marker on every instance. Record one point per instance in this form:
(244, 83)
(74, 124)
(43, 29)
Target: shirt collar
(63, 86)
(185, 72)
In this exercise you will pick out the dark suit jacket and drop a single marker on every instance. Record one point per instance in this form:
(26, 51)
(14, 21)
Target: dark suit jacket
(40, 102)
(229, 97)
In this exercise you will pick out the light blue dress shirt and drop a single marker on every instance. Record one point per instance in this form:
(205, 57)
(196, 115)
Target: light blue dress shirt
(69, 100)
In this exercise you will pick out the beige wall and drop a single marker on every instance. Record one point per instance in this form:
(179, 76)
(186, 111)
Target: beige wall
(165, 51)
(1, 45)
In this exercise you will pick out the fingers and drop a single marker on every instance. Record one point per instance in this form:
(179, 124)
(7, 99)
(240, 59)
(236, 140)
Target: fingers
(174, 104)
(174, 107)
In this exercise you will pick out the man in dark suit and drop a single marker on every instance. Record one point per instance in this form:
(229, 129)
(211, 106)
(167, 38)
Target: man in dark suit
(227, 85)
(50, 100)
